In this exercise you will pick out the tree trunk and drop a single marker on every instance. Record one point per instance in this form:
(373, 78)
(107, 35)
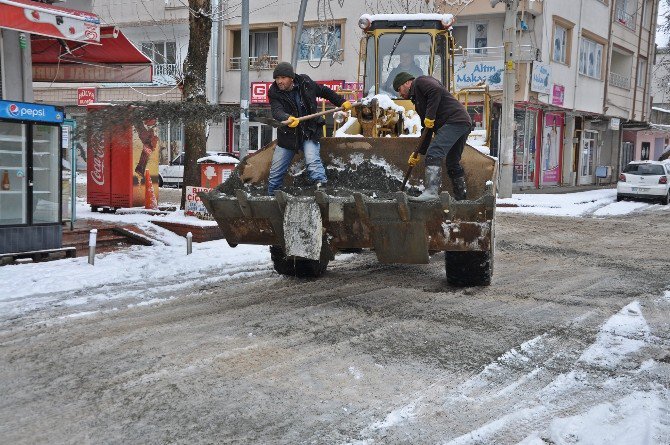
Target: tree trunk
(195, 72)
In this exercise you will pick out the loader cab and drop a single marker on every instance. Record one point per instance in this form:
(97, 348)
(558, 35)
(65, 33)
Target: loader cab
(419, 44)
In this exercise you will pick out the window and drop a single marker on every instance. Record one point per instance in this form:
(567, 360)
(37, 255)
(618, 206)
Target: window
(460, 35)
(318, 43)
(590, 58)
(263, 49)
(481, 36)
(163, 56)
(641, 72)
(560, 48)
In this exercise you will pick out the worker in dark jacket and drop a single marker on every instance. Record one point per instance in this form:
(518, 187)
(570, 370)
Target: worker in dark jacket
(291, 96)
(451, 123)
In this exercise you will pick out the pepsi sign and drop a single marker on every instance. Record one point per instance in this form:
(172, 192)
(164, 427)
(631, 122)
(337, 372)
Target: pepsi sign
(30, 112)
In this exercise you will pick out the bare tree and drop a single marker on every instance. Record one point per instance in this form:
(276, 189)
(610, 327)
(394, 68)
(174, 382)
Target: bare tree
(195, 72)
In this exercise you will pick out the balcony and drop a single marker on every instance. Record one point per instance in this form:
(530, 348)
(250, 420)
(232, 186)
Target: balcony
(626, 19)
(620, 81)
(264, 62)
(523, 53)
(167, 70)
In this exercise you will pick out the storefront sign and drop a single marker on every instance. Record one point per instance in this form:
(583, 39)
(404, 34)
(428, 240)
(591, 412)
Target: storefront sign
(476, 73)
(86, 73)
(85, 96)
(30, 112)
(259, 90)
(558, 95)
(541, 79)
(615, 123)
(194, 205)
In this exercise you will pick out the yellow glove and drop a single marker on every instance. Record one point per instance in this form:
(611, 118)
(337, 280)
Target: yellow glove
(346, 105)
(429, 123)
(293, 121)
(413, 159)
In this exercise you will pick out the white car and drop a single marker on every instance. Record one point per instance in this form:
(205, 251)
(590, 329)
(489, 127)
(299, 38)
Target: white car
(173, 173)
(645, 180)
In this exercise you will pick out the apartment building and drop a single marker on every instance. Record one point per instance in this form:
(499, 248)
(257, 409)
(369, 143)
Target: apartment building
(583, 73)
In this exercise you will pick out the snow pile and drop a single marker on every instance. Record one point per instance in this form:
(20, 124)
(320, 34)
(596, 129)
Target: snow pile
(384, 101)
(342, 131)
(219, 159)
(477, 139)
(412, 123)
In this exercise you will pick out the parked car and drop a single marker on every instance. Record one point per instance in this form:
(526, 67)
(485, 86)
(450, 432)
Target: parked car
(172, 175)
(645, 180)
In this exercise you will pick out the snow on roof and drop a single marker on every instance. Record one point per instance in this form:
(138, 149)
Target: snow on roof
(447, 18)
(219, 159)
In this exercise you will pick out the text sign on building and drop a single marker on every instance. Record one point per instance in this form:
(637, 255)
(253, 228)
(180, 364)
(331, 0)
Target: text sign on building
(541, 79)
(470, 73)
(30, 112)
(85, 96)
(558, 95)
(260, 90)
(615, 123)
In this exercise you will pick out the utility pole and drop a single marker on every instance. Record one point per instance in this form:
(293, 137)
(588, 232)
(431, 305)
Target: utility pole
(244, 82)
(298, 33)
(506, 150)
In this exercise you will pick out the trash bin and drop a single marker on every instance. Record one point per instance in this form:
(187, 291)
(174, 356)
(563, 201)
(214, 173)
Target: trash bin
(214, 170)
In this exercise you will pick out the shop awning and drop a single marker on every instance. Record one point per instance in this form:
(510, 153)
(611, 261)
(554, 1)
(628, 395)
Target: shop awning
(115, 59)
(48, 20)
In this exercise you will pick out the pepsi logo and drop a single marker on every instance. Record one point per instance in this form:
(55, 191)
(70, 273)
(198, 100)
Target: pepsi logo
(13, 109)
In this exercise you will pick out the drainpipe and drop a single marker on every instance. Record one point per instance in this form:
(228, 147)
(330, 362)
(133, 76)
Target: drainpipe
(579, 42)
(609, 58)
(216, 60)
(637, 62)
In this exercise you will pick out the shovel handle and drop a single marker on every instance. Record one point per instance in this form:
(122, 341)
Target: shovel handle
(320, 113)
(426, 134)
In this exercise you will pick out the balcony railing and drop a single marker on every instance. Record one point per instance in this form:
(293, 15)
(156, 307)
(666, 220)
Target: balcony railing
(264, 62)
(523, 53)
(167, 70)
(620, 81)
(626, 19)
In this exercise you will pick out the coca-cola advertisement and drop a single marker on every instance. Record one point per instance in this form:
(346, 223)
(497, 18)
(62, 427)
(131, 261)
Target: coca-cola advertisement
(117, 162)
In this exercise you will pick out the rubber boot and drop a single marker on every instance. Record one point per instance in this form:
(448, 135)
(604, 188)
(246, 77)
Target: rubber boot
(432, 182)
(460, 193)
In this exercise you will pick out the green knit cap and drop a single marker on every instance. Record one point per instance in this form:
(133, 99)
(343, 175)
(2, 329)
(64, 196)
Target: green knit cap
(401, 78)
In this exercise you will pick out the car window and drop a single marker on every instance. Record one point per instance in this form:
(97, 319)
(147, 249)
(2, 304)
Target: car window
(644, 169)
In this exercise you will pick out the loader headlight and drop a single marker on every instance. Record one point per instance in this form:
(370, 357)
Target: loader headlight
(364, 22)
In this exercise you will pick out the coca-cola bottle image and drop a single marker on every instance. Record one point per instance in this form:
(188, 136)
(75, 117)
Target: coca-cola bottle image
(5, 180)
(146, 133)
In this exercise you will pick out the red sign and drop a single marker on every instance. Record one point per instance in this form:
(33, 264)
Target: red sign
(85, 96)
(259, 90)
(558, 95)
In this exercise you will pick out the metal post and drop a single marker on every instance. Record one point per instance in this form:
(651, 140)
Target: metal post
(244, 82)
(506, 151)
(298, 33)
(91, 246)
(73, 184)
(189, 243)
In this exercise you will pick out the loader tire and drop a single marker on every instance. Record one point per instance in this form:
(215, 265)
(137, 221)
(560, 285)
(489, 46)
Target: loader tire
(299, 267)
(468, 268)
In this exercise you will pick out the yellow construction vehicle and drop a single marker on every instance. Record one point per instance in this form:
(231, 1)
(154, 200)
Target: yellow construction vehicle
(377, 132)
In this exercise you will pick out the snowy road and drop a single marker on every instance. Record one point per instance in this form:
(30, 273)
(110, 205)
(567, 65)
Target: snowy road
(569, 345)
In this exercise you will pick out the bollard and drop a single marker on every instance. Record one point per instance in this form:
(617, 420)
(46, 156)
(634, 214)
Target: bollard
(91, 246)
(189, 243)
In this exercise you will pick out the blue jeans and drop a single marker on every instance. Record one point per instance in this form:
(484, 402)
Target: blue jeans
(281, 160)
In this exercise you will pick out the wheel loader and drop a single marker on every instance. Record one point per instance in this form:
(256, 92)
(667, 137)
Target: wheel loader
(305, 226)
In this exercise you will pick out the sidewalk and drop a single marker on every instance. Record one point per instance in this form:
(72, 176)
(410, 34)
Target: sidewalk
(564, 189)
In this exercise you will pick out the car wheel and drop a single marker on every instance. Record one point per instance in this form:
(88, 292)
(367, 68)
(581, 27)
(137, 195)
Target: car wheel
(618, 198)
(666, 200)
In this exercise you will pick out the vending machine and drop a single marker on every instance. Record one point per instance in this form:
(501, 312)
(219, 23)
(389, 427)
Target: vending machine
(30, 177)
(119, 157)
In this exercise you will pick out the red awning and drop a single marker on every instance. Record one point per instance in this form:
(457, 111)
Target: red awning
(48, 20)
(115, 59)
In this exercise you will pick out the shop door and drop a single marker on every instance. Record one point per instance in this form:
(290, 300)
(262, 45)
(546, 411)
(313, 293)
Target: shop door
(13, 173)
(586, 157)
(552, 149)
(524, 148)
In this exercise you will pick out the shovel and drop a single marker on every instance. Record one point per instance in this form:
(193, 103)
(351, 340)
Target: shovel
(422, 139)
(276, 123)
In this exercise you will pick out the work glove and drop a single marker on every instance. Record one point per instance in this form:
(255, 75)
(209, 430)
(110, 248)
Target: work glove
(429, 123)
(293, 121)
(346, 105)
(413, 159)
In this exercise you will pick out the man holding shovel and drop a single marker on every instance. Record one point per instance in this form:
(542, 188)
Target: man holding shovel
(451, 123)
(291, 96)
